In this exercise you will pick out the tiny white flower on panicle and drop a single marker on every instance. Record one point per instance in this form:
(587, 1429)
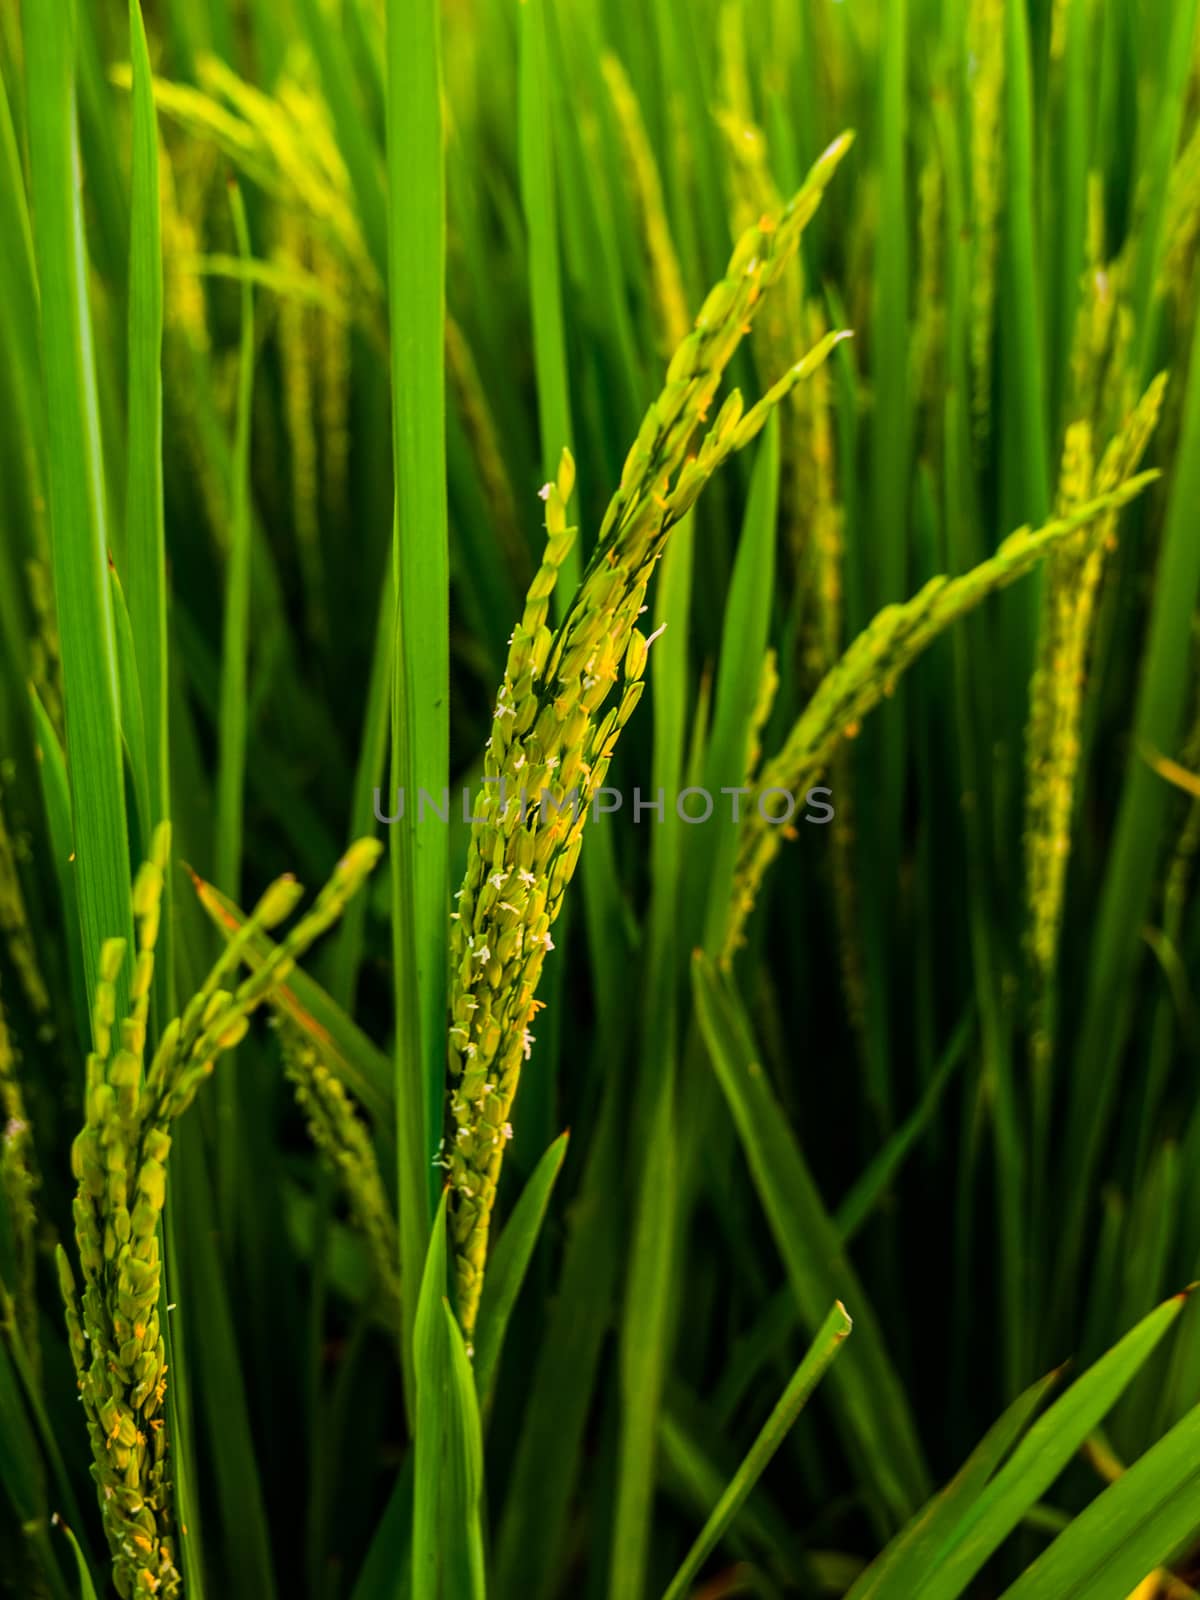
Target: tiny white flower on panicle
(497, 879)
(544, 491)
(527, 877)
(527, 1040)
(483, 954)
(508, 1133)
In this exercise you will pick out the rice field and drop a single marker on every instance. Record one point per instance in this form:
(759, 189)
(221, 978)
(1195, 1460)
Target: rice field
(599, 799)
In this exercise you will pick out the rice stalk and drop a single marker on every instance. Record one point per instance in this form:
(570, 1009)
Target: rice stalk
(548, 740)
(119, 1160)
(867, 674)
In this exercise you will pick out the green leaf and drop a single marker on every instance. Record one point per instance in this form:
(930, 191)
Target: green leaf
(87, 1589)
(447, 1548)
(862, 1198)
(647, 1327)
(509, 1263)
(1149, 1513)
(872, 1411)
(232, 722)
(744, 636)
(536, 138)
(420, 691)
(430, 1362)
(145, 534)
(825, 1347)
(897, 1570)
(1039, 1458)
(78, 514)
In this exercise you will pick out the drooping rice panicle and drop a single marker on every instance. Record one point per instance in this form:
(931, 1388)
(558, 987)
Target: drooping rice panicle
(342, 1138)
(868, 670)
(549, 740)
(119, 1160)
(1057, 692)
(985, 46)
(670, 301)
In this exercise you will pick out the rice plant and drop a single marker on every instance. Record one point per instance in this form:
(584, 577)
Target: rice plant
(706, 490)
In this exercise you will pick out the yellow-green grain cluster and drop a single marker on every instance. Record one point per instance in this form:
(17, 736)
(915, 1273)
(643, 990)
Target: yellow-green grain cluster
(119, 1160)
(868, 672)
(550, 740)
(1057, 693)
(342, 1137)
